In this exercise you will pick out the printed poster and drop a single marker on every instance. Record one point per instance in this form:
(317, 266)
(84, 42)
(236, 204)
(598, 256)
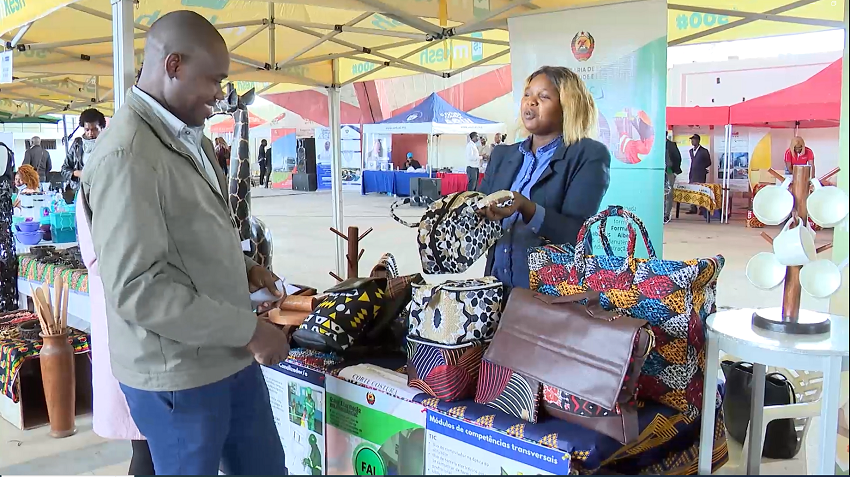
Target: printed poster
(284, 152)
(6, 66)
(739, 158)
(456, 447)
(297, 397)
(350, 155)
(372, 433)
(620, 52)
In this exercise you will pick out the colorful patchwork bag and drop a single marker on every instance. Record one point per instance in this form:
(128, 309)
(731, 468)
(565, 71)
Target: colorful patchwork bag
(341, 318)
(457, 311)
(508, 391)
(674, 297)
(452, 236)
(449, 373)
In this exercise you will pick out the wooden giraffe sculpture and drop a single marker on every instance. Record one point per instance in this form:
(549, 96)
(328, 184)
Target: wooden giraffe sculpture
(250, 227)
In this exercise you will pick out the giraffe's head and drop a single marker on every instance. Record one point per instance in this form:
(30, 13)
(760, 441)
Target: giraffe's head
(233, 101)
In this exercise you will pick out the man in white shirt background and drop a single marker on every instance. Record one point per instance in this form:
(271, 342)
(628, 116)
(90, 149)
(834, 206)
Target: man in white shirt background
(473, 162)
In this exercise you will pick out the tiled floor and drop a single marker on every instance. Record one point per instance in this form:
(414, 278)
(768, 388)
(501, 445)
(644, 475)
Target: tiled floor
(304, 253)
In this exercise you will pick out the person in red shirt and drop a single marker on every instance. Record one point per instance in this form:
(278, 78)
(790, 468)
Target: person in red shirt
(799, 155)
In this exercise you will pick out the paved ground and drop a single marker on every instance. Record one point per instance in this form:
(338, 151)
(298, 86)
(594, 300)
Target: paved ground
(304, 253)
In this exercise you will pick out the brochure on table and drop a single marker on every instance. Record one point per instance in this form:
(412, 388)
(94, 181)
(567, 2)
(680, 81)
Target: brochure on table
(456, 447)
(372, 433)
(297, 396)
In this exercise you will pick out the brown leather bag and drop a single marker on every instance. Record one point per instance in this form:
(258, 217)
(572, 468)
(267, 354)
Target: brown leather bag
(589, 359)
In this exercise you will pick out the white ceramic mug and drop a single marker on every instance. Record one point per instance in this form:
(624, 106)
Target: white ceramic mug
(796, 246)
(774, 203)
(821, 278)
(764, 271)
(827, 206)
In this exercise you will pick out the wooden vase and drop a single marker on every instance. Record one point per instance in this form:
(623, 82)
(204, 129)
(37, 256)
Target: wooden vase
(59, 381)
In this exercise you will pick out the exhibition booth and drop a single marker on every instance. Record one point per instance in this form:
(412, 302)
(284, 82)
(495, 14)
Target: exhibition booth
(433, 117)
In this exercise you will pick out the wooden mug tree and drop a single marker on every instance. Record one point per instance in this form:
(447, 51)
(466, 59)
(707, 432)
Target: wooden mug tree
(354, 251)
(791, 319)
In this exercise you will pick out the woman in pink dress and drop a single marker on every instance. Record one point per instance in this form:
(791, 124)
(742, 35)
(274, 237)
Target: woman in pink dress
(111, 415)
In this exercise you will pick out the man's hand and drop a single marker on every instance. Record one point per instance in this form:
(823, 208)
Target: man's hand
(261, 277)
(78, 174)
(269, 344)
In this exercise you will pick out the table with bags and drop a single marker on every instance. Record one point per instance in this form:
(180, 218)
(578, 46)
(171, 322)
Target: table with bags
(603, 360)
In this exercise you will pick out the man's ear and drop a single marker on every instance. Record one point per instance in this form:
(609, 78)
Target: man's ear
(172, 64)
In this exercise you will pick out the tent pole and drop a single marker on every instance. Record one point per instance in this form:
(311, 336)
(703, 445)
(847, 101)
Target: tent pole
(122, 49)
(336, 166)
(65, 133)
(727, 187)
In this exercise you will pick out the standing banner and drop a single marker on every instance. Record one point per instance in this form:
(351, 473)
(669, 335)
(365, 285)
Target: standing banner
(620, 51)
(324, 156)
(284, 152)
(350, 154)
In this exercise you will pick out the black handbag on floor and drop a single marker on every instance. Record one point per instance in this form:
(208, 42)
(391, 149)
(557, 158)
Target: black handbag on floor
(780, 439)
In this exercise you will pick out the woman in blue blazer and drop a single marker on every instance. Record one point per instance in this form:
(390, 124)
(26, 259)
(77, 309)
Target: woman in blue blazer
(558, 174)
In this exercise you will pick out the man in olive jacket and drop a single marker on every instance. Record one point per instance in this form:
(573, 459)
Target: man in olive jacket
(183, 339)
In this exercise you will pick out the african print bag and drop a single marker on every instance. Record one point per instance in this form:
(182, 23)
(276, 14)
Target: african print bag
(457, 311)
(452, 236)
(449, 373)
(675, 297)
(508, 391)
(347, 311)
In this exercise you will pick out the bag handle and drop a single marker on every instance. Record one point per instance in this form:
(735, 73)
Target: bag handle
(584, 243)
(396, 204)
(592, 306)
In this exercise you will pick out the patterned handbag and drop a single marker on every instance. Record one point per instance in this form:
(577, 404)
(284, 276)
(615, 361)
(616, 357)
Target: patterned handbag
(457, 311)
(675, 297)
(449, 373)
(342, 316)
(508, 391)
(452, 236)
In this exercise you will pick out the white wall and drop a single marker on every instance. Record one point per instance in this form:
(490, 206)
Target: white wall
(696, 84)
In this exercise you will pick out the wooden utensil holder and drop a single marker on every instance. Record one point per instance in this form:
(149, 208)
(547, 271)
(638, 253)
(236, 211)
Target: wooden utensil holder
(57, 375)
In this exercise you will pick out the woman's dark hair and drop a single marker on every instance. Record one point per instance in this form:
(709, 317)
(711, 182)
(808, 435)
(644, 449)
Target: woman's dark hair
(93, 116)
(263, 142)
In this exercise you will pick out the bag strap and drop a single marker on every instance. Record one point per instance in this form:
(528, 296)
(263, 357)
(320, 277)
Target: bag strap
(584, 243)
(396, 204)
(790, 387)
(592, 306)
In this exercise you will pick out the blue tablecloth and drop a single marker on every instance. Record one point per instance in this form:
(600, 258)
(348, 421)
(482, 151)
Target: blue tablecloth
(389, 182)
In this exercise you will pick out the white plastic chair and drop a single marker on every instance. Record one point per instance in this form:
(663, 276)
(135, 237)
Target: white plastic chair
(808, 386)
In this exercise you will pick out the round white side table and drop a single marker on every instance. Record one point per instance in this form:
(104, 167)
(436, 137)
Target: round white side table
(733, 332)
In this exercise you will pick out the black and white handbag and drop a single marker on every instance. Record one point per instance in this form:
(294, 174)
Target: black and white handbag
(452, 236)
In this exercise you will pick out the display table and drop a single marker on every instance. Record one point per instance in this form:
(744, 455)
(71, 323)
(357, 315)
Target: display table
(707, 196)
(455, 182)
(389, 182)
(732, 332)
(22, 403)
(32, 273)
(376, 425)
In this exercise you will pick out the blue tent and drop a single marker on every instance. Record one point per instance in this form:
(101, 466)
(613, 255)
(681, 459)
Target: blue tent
(434, 116)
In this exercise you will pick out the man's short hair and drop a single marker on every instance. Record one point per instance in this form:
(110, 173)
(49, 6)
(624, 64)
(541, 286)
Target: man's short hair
(93, 116)
(36, 141)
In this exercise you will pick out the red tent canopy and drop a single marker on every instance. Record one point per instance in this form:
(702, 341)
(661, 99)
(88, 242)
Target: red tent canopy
(815, 103)
(226, 126)
(697, 116)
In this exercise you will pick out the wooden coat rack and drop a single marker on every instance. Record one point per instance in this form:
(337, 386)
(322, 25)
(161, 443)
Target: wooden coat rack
(791, 319)
(354, 251)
